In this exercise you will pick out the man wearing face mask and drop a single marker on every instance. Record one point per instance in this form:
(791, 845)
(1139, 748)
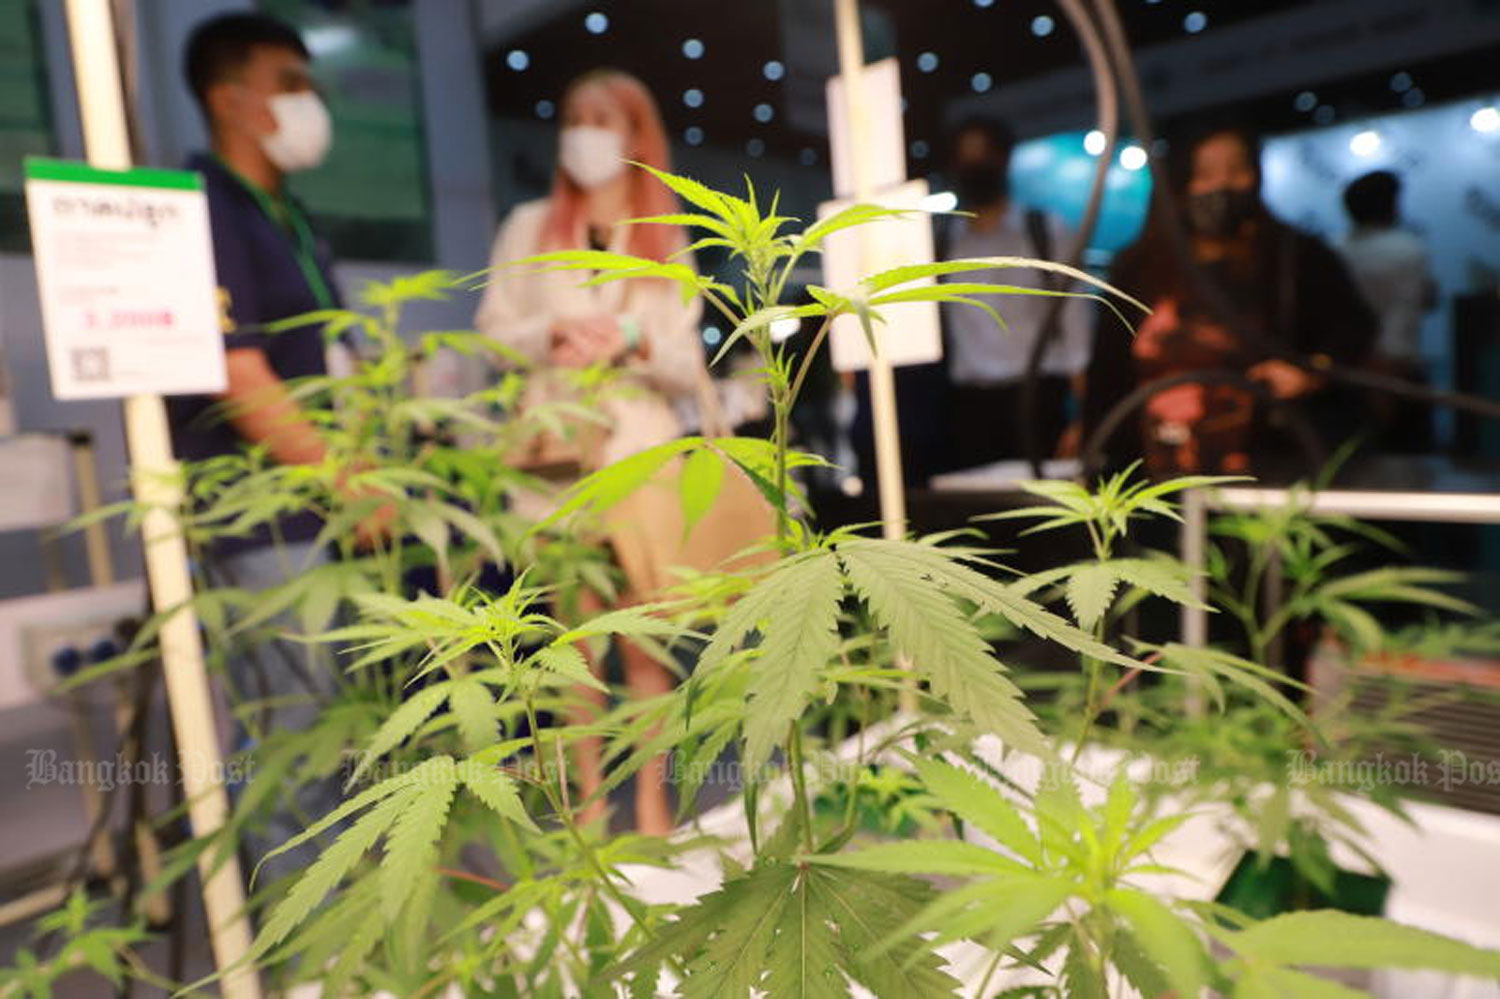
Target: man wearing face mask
(251, 77)
(987, 364)
(1281, 293)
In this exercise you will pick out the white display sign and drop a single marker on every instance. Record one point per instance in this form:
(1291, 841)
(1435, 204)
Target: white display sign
(911, 333)
(125, 267)
(883, 150)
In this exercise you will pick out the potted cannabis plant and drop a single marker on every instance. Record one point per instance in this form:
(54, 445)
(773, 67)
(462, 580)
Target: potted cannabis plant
(457, 864)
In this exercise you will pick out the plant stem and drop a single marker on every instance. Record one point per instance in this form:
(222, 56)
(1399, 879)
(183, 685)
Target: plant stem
(591, 858)
(799, 783)
(807, 360)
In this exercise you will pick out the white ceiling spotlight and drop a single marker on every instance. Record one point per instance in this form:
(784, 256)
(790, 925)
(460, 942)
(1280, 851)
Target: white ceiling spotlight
(784, 329)
(1132, 157)
(1486, 120)
(1093, 143)
(1365, 143)
(940, 201)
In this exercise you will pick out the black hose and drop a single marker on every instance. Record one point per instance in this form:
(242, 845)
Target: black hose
(1107, 114)
(1091, 455)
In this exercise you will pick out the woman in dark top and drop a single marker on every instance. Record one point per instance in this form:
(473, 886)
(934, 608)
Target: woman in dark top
(1278, 289)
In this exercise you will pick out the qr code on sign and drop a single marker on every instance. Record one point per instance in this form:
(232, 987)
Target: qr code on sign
(90, 364)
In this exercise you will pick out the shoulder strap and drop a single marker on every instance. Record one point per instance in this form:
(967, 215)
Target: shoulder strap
(1040, 235)
(1037, 232)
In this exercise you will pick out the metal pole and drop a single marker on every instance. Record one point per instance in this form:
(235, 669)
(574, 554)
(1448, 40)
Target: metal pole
(1195, 556)
(157, 484)
(890, 479)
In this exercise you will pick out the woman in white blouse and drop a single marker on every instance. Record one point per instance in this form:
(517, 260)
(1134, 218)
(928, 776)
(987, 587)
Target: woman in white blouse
(641, 326)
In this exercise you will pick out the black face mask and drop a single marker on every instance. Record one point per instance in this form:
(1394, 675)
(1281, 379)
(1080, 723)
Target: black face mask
(1220, 213)
(979, 184)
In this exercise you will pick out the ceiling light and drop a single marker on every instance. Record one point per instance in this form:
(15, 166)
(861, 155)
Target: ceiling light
(329, 38)
(692, 48)
(941, 201)
(692, 97)
(693, 135)
(920, 149)
(1485, 120)
(1306, 101)
(596, 23)
(1093, 143)
(1132, 157)
(773, 70)
(1042, 25)
(712, 335)
(764, 113)
(756, 147)
(1401, 82)
(1365, 143)
(545, 109)
(1195, 22)
(981, 82)
(517, 59)
(927, 62)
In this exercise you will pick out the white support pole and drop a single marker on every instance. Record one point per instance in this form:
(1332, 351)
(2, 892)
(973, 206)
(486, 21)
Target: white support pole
(890, 479)
(157, 484)
(882, 380)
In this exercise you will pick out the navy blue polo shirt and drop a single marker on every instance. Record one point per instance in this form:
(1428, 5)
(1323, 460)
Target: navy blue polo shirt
(261, 281)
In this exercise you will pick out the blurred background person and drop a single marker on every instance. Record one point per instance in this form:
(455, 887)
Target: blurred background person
(1391, 267)
(252, 78)
(987, 364)
(641, 326)
(1286, 289)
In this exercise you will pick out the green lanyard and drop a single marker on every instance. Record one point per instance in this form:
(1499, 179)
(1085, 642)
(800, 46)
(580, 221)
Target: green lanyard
(290, 220)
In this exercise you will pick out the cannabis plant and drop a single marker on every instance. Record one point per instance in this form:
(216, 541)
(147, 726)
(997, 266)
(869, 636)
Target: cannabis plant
(458, 859)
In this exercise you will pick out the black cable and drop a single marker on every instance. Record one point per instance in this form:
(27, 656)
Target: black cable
(1107, 115)
(1091, 456)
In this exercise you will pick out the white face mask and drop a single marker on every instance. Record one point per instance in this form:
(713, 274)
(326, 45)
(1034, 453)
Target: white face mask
(591, 155)
(303, 133)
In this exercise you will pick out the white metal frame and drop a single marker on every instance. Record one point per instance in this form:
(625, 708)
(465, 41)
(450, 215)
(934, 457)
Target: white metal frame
(1370, 504)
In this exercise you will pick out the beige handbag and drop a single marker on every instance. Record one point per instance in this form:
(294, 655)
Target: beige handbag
(647, 530)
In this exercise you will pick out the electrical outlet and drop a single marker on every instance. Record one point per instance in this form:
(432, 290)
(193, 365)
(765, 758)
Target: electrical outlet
(55, 650)
(45, 638)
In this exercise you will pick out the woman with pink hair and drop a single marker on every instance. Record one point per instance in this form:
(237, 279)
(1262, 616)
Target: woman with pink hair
(641, 326)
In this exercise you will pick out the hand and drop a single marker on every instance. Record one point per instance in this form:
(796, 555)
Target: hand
(579, 343)
(375, 526)
(1286, 381)
(1071, 441)
(375, 529)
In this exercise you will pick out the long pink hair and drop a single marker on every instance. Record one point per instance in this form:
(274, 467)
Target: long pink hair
(564, 226)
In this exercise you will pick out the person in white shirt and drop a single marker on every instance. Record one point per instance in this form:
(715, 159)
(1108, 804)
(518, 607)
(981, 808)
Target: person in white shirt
(1391, 267)
(609, 121)
(987, 364)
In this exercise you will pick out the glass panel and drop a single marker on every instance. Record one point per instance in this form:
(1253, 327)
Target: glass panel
(25, 114)
(371, 198)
